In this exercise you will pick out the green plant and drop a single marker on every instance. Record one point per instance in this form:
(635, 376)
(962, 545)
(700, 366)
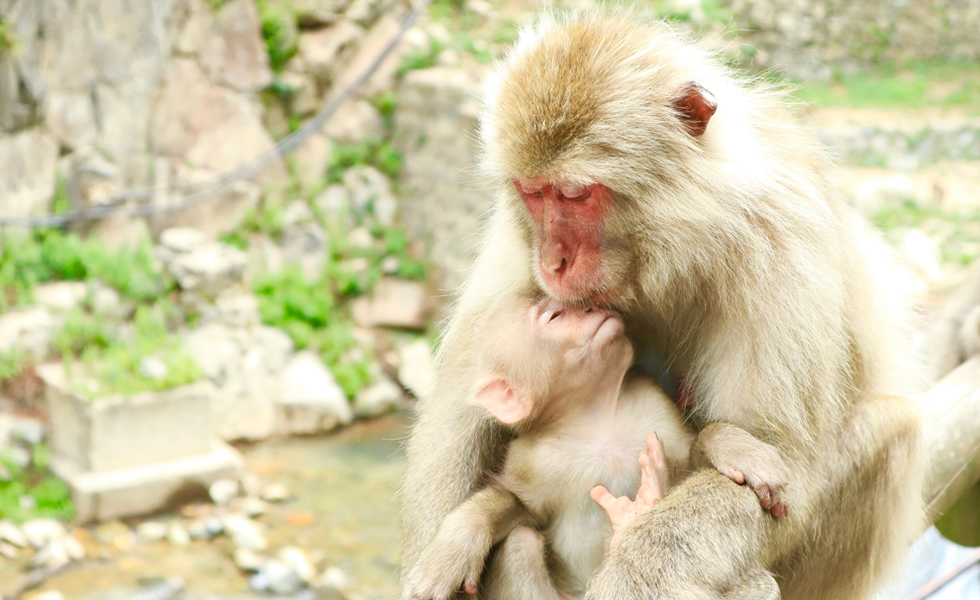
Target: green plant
(12, 363)
(956, 233)
(9, 40)
(50, 495)
(279, 33)
(380, 155)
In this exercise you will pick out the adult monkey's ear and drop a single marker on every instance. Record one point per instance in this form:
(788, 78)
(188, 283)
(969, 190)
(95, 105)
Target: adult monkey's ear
(695, 106)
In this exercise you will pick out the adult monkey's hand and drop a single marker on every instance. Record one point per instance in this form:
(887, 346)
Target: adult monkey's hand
(635, 172)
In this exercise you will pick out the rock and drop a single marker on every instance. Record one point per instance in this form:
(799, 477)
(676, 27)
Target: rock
(394, 303)
(182, 240)
(253, 507)
(245, 533)
(309, 398)
(39, 532)
(29, 330)
(215, 350)
(204, 529)
(280, 578)
(365, 184)
(390, 265)
(321, 51)
(355, 121)
(275, 492)
(8, 551)
(210, 269)
(27, 180)
(311, 161)
(223, 491)
(334, 200)
(870, 197)
(360, 238)
(48, 595)
(306, 247)
(296, 213)
(246, 560)
(61, 295)
(20, 457)
(178, 536)
(151, 531)
(333, 578)
(153, 367)
(417, 369)
(297, 561)
(377, 398)
(106, 301)
(51, 556)
(27, 429)
(238, 309)
(302, 99)
(9, 532)
(235, 54)
(369, 48)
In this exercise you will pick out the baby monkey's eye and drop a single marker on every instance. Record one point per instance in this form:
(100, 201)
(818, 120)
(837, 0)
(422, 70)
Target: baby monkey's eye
(549, 315)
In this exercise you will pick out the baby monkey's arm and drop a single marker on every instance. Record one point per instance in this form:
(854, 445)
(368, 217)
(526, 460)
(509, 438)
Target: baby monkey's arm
(455, 557)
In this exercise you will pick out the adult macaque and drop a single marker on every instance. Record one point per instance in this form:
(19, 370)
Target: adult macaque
(556, 373)
(635, 172)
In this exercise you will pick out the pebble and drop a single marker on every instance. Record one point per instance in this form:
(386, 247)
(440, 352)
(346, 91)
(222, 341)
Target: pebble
(360, 238)
(153, 367)
(280, 578)
(246, 560)
(275, 492)
(334, 578)
(151, 531)
(52, 555)
(178, 536)
(9, 532)
(245, 533)
(296, 560)
(223, 491)
(204, 529)
(39, 532)
(253, 507)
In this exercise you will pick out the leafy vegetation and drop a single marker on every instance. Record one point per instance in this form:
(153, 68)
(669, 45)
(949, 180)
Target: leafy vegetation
(279, 32)
(379, 154)
(48, 496)
(957, 233)
(49, 255)
(913, 85)
(100, 362)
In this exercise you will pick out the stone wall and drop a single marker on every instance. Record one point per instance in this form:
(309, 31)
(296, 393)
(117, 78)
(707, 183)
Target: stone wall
(813, 39)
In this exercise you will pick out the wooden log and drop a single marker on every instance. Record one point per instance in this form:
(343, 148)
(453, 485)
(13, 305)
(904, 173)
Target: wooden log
(951, 434)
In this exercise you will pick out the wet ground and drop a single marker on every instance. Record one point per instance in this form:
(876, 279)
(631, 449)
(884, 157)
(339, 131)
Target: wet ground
(342, 512)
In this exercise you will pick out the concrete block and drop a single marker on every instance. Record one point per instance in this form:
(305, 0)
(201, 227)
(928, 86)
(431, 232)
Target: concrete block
(149, 488)
(121, 432)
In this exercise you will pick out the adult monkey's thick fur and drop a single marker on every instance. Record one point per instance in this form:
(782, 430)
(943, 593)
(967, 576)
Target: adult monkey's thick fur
(727, 250)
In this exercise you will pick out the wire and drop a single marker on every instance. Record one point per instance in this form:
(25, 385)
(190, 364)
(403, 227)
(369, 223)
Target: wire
(120, 204)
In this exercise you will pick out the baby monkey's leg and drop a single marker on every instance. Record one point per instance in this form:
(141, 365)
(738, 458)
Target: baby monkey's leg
(653, 484)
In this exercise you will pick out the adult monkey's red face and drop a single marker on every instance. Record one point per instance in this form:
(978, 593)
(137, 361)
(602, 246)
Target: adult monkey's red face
(569, 224)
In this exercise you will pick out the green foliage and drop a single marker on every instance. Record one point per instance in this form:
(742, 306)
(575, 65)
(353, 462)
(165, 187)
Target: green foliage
(12, 363)
(279, 32)
(957, 233)
(266, 219)
(9, 40)
(421, 59)
(913, 85)
(380, 155)
(51, 496)
(107, 364)
(49, 255)
(308, 313)
(386, 102)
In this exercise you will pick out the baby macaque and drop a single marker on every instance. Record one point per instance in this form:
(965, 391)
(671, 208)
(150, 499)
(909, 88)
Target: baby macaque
(558, 375)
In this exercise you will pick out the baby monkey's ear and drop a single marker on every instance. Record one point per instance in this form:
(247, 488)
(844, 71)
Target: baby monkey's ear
(506, 402)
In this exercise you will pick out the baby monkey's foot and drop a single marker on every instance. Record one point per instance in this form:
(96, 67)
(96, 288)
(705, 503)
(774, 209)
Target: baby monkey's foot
(653, 483)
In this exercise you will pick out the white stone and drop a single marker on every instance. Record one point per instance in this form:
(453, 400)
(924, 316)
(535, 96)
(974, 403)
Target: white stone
(106, 301)
(27, 180)
(245, 533)
(333, 578)
(246, 560)
(253, 507)
(870, 197)
(296, 560)
(151, 531)
(182, 239)
(394, 303)
(234, 53)
(29, 330)
(9, 532)
(39, 532)
(365, 184)
(61, 295)
(321, 51)
(51, 556)
(309, 397)
(303, 100)
(355, 121)
(311, 161)
(275, 492)
(417, 369)
(280, 578)
(178, 536)
(223, 491)
(360, 237)
(295, 213)
(390, 265)
(377, 398)
(210, 269)
(238, 309)
(153, 367)
(8, 551)
(334, 200)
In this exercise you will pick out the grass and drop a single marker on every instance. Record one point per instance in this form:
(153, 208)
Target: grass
(914, 85)
(957, 233)
(50, 496)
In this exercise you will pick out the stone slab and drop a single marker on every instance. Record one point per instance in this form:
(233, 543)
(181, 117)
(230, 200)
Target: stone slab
(146, 489)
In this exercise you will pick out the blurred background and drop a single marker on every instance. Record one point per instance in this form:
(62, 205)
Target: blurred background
(229, 230)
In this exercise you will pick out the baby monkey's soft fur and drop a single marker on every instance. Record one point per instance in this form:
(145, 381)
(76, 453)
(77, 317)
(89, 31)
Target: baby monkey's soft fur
(727, 250)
